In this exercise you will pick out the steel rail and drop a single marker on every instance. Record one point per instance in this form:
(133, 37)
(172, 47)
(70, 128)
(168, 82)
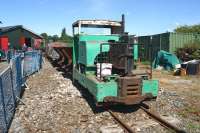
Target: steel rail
(161, 121)
(122, 123)
(145, 108)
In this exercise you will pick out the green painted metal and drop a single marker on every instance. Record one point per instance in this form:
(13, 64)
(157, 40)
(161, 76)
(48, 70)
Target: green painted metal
(150, 86)
(98, 89)
(166, 41)
(89, 47)
(179, 40)
(89, 51)
(135, 52)
(98, 38)
(85, 50)
(75, 49)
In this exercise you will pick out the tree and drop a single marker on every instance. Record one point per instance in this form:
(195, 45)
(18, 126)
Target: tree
(64, 37)
(55, 38)
(49, 38)
(45, 36)
(188, 29)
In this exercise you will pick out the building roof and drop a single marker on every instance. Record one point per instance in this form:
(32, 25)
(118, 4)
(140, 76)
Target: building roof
(11, 28)
(97, 23)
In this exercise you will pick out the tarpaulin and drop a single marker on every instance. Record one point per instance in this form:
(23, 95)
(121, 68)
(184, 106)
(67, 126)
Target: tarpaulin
(166, 60)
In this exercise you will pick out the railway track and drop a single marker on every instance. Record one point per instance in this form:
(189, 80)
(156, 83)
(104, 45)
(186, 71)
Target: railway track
(153, 115)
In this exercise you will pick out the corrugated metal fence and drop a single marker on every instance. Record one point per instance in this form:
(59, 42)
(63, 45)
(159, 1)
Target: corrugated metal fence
(11, 81)
(150, 45)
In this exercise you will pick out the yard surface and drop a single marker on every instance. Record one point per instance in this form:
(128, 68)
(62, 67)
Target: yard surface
(3, 66)
(180, 97)
(53, 104)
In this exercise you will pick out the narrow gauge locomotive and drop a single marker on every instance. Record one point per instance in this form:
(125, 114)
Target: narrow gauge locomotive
(104, 64)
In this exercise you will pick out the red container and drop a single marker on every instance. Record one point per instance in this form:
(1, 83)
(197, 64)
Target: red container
(4, 43)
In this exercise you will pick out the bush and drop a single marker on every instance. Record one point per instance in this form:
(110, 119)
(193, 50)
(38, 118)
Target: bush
(189, 51)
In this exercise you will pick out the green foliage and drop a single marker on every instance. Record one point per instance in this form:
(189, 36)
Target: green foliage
(63, 38)
(45, 36)
(55, 38)
(146, 62)
(188, 29)
(189, 52)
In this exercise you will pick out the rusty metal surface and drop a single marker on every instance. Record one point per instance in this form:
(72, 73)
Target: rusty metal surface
(129, 86)
(129, 91)
(145, 108)
(121, 122)
(121, 56)
(65, 55)
(124, 100)
(97, 23)
(118, 52)
(59, 44)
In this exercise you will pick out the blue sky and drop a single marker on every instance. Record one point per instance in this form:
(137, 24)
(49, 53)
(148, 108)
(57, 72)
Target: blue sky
(143, 17)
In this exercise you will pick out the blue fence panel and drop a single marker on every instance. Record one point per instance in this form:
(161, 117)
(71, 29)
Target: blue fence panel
(29, 63)
(3, 125)
(11, 79)
(8, 94)
(17, 75)
(32, 62)
(38, 61)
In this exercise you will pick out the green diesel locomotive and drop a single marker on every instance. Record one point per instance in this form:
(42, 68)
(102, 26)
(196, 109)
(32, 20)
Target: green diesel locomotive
(104, 64)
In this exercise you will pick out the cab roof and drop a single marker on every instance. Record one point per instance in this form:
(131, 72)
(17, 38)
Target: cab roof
(97, 23)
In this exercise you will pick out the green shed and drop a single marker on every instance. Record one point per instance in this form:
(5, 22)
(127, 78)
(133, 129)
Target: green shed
(19, 35)
(150, 45)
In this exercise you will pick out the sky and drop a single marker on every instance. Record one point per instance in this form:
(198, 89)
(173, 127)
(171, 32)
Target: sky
(143, 17)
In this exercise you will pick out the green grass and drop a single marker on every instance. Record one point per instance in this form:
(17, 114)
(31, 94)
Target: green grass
(192, 126)
(146, 62)
(189, 111)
